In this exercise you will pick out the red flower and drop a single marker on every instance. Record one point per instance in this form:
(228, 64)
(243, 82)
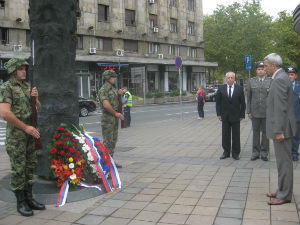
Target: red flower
(62, 152)
(53, 151)
(59, 142)
(53, 161)
(57, 136)
(72, 150)
(67, 134)
(75, 140)
(69, 154)
(66, 146)
(78, 171)
(66, 139)
(60, 128)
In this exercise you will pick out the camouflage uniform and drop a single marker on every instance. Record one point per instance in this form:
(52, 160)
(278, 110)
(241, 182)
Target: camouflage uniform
(109, 123)
(19, 145)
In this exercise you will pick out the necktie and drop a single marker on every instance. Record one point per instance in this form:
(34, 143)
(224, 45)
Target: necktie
(229, 91)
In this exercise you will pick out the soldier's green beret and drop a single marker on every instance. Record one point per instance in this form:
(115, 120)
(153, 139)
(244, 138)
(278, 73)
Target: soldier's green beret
(14, 63)
(108, 74)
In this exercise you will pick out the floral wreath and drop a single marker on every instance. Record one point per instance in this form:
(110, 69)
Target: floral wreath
(73, 153)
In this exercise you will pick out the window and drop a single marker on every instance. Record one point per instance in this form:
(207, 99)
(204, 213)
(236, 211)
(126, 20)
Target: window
(79, 43)
(173, 25)
(104, 44)
(131, 46)
(192, 52)
(153, 20)
(191, 5)
(103, 13)
(173, 50)
(129, 17)
(177, 50)
(153, 48)
(191, 28)
(173, 3)
(28, 38)
(4, 36)
(2, 4)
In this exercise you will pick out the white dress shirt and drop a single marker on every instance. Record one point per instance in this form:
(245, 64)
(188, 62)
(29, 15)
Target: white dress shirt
(232, 88)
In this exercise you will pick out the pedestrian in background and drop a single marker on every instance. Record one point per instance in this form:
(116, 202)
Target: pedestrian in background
(230, 107)
(127, 102)
(258, 88)
(281, 126)
(109, 102)
(16, 109)
(201, 101)
(292, 71)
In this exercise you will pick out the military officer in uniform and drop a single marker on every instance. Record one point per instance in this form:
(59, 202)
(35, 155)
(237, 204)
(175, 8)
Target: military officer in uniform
(15, 108)
(292, 71)
(109, 102)
(257, 93)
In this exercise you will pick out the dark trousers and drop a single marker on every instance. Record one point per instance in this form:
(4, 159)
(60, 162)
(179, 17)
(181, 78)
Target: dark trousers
(295, 142)
(229, 128)
(200, 109)
(260, 145)
(127, 115)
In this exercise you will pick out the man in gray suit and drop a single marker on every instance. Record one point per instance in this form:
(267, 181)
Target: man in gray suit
(280, 126)
(258, 88)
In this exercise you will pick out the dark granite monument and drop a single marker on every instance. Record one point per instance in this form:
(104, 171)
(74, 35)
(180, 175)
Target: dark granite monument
(53, 27)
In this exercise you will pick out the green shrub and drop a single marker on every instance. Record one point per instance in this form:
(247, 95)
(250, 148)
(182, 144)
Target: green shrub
(135, 98)
(184, 93)
(149, 95)
(174, 93)
(159, 94)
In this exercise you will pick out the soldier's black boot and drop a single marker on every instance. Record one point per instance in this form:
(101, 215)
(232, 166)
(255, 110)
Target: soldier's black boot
(22, 206)
(33, 204)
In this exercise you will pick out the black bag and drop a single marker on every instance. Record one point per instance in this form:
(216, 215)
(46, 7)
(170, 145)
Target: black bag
(199, 98)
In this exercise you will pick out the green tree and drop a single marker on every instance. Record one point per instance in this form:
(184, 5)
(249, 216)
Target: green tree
(235, 31)
(286, 42)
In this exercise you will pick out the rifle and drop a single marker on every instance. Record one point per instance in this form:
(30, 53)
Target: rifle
(38, 143)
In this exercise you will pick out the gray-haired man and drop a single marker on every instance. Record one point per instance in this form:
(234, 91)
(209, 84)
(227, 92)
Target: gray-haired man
(281, 126)
(258, 88)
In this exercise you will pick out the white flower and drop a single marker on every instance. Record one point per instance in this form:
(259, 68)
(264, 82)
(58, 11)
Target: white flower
(94, 169)
(71, 165)
(85, 148)
(73, 176)
(90, 157)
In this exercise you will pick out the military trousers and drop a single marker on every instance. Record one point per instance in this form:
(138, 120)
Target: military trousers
(260, 144)
(295, 142)
(109, 125)
(23, 158)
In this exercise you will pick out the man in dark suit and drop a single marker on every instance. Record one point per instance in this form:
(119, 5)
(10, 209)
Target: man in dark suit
(230, 107)
(281, 126)
(292, 71)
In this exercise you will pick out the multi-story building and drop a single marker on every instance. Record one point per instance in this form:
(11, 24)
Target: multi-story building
(142, 37)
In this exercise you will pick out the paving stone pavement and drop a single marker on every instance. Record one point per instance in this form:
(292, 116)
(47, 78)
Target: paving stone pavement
(173, 175)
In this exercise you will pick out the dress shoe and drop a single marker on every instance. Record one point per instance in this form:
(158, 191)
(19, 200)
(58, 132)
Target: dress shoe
(236, 157)
(295, 158)
(254, 158)
(277, 201)
(264, 158)
(224, 156)
(271, 195)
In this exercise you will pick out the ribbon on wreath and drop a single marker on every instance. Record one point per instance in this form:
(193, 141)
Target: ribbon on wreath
(97, 159)
(109, 160)
(63, 193)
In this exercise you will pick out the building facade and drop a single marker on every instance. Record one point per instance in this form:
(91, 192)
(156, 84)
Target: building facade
(140, 38)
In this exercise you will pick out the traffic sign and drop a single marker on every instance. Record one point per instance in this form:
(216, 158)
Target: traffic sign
(178, 62)
(248, 62)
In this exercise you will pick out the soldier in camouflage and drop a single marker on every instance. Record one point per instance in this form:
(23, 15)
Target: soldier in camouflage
(109, 102)
(15, 108)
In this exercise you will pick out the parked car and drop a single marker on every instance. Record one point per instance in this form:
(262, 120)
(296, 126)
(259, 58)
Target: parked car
(211, 94)
(86, 106)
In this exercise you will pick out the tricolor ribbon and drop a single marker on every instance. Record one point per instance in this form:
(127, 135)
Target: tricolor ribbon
(90, 142)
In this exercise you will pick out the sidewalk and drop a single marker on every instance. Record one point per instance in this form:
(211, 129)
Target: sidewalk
(172, 175)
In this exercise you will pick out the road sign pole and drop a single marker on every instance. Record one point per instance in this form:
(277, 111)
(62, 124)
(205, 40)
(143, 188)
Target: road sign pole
(180, 93)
